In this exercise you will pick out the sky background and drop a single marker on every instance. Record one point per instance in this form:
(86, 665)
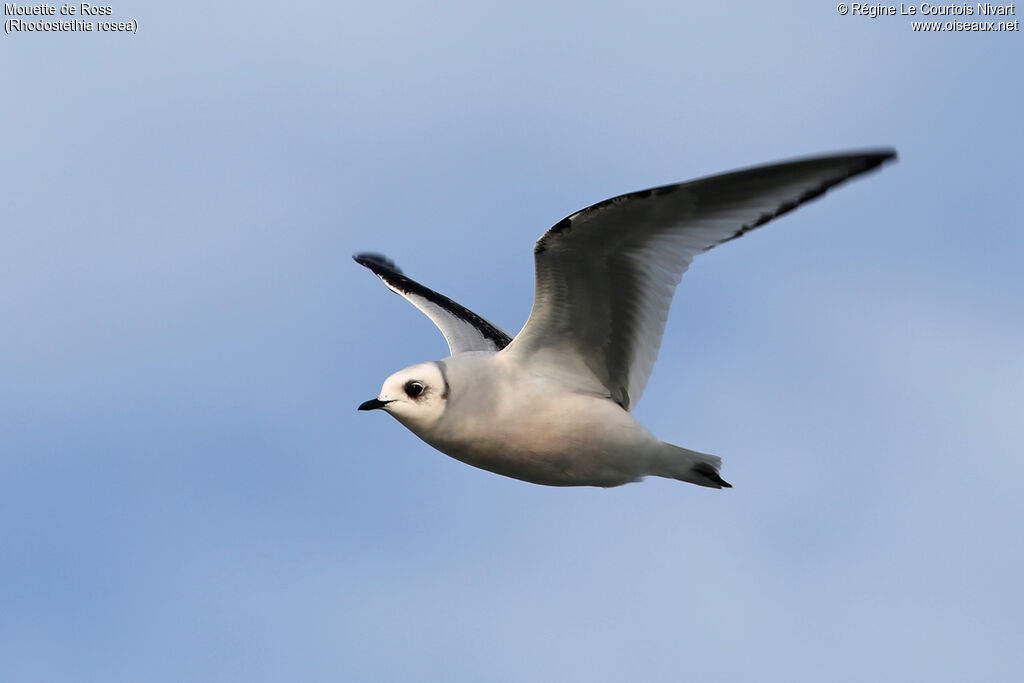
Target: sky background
(187, 492)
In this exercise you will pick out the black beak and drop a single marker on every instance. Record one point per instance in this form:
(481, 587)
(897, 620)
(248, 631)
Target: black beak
(373, 404)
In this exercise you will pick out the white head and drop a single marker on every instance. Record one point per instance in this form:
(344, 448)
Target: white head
(416, 396)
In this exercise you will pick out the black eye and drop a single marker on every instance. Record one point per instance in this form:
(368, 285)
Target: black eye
(413, 388)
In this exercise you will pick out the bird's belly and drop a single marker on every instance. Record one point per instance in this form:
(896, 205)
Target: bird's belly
(593, 444)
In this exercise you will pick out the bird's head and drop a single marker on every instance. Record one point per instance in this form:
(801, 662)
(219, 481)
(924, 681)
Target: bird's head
(415, 396)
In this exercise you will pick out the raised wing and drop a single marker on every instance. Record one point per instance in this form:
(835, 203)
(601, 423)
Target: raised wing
(605, 276)
(463, 329)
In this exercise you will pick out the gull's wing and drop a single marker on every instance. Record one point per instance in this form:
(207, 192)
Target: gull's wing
(463, 329)
(605, 276)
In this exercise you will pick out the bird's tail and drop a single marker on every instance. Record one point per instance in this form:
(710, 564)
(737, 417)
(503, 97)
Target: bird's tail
(683, 464)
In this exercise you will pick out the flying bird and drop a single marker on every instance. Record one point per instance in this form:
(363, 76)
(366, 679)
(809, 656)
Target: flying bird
(552, 405)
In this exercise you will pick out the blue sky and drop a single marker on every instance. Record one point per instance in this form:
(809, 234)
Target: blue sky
(188, 493)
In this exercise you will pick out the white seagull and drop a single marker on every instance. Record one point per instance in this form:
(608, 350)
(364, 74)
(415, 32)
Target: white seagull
(552, 406)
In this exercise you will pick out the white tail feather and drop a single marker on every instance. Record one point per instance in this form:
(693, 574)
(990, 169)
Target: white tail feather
(675, 462)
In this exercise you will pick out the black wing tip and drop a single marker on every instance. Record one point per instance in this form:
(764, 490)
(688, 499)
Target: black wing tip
(858, 160)
(872, 156)
(876, 157)
(887, 153)
(376, 262)
(882, 152)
